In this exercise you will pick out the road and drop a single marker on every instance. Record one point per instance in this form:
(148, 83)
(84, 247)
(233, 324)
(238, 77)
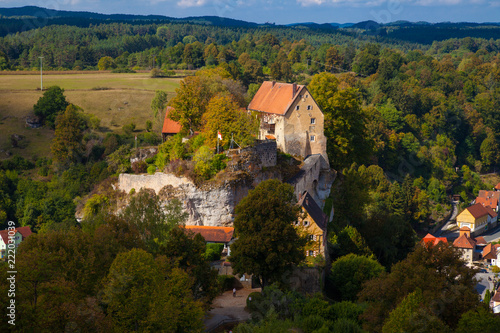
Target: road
(484, 283)
(444, 227)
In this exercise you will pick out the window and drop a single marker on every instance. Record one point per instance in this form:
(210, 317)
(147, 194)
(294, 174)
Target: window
(297, 107)
(309, 107)
(311, 253)
(306, 223)
(311, 237)
(313, 121)
(313, 138)
(297, 223)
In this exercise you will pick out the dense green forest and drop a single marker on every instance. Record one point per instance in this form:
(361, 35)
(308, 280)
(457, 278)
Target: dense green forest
(407, 125)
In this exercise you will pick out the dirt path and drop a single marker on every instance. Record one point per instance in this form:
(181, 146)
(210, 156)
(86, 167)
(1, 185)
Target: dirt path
(227, 307)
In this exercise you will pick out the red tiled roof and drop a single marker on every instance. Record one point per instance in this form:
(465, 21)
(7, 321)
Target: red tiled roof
(489, 252)
(480, 240)
(497, 187)
(270, 137)
(490, 211)
(25, 231)
(464, 242)
(213, 234)
(432, 240)
(492, 202)
(275, 97)
(496, 297)
(477, 210)
(465, 229)
(170, 126)
(489, 194)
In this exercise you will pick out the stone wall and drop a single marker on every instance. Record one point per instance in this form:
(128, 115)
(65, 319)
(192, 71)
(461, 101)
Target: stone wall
(314, 177)
(252, 159)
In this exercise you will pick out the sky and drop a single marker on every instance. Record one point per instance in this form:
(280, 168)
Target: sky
(292, 11)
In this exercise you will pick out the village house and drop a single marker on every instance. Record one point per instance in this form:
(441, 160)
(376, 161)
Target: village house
(431, 240)
(291, 116)
(170, 127)
(478, 218)
(220, 235)
(491, 254)
(314, 224)
(495, 301)
(471, 247)
(18, 235)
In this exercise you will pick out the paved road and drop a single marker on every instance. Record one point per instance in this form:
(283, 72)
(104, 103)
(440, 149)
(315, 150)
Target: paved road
(484, 283)
(451, 220)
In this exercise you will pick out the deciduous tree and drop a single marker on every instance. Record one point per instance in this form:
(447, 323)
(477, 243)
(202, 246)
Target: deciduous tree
(268, 244)
(50, 105)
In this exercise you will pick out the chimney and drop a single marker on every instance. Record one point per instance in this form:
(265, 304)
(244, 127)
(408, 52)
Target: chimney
(273, 83)
(294, 90)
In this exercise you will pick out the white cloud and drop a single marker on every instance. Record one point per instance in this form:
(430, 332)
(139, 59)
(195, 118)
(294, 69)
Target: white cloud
(191, 3)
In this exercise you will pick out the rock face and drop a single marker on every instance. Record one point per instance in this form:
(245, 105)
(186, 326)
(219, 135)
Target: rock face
(213, 204)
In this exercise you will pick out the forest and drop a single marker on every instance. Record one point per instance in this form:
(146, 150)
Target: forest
(409, 122)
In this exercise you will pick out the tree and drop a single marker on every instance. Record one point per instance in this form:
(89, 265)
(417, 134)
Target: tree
(224, 115)
(344, 121)
(106, 63)
(152, 219)
(478, 320)
(268, 244)
(158, 105)
(349, 272)
(67, 146)
(142, 296)
(447, 286)
(50, 105)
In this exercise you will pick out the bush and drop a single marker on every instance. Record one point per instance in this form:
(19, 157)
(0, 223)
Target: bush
(128, 129)
(150, 138)
(226, 282)
(495, 269)
(254, 299)
(149, 125)
(151, 169)
(213, 251)
(139, 167)
(123, 70)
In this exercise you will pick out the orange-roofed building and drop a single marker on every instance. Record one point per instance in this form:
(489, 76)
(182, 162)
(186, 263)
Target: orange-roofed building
(476, 218)
(491, 254)
(291, 115)
(170, 127)
(471, 247)
(497, 187)
(432, 240)
(221, 235)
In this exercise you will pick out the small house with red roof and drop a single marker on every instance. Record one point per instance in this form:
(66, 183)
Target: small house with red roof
(471, 247)
(431, 240)
(495, 301)
(12, 236)
(314, 224)
(491, 254)
(291, 116)
(221, 235)
(477, 218)
(170, 127)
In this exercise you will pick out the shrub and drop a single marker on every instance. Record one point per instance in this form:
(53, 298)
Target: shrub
(149, 125)
(128, 129)
(495, 269)
(226, 282)
(123, 70)
(213, 251)
(150, 138)
(253, 300)
(151, 169)
(139, 167)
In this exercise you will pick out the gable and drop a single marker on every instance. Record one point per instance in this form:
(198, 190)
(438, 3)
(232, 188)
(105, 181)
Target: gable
(275, 97)
(313, 210)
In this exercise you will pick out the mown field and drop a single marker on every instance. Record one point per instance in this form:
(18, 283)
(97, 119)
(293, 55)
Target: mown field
(116, 99)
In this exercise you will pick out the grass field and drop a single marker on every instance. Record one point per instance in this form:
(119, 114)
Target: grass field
(116, 99)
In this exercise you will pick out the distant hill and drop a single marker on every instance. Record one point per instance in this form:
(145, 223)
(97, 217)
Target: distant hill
(19, 19)
(39, 12)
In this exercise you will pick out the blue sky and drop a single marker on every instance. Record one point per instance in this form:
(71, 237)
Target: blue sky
(293, 11)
